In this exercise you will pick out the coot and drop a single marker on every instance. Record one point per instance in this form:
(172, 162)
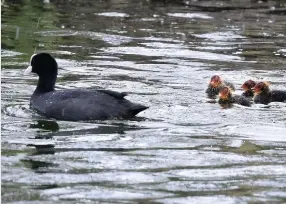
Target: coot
(247, 87)
(263, 94)
(215, 85)
(226, 98)
(75, 104)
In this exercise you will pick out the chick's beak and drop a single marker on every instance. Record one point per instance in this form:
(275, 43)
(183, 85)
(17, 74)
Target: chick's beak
(244, 87)
(255, 89)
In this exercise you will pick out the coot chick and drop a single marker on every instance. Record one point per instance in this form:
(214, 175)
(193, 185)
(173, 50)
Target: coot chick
(215, 85)
(247, 87)
(226, 98)
(263, 94)
(75, 104)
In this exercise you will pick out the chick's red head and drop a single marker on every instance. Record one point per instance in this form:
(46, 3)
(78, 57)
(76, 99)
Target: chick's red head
(248, 85)
(261, 87)
(225, 93)
(216, 81)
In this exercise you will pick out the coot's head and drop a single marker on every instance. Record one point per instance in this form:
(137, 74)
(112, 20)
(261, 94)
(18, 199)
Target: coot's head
(216, 81)
(225, 93)
(43, 64)
(248, 85)
(261, 87)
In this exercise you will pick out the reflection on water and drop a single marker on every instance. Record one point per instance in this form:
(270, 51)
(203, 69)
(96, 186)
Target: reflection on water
(46, 125)
(184, 148)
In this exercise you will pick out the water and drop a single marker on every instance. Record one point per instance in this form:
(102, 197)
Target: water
(183, 149)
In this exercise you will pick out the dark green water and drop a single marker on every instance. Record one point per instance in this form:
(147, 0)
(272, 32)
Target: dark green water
(182, 149)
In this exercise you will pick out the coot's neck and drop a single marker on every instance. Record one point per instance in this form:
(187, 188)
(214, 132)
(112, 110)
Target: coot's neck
(46, 84)
(248, 92)
(265, 92)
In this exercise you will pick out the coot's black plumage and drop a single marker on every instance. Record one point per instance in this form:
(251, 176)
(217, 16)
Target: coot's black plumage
(75, 104)
(263, 94)
(226, 98)
(215, 85)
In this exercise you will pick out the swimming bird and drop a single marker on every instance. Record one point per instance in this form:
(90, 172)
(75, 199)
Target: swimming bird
(226, 98)
(75, 104)
(247, 87)
(263, 94)
(215, 85)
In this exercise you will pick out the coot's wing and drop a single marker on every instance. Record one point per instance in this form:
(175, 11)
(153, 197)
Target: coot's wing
(85, 105)
(76, 104)
(75, 93)
(230, 85)
(279, 96)
(126, 108)
(212, 92)
(262, 98)
(241, 100)
(118, 95)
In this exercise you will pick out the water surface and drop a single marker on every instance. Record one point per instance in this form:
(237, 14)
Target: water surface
(183, 149)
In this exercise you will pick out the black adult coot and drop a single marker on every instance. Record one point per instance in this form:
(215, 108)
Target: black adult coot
(247, 87)
(215, 85)
(263, 95)
(226, 98)
(75, 104)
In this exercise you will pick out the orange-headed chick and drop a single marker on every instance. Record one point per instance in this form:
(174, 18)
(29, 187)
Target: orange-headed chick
(215, 84)
(226, 97)
(263, 94)
(247, 87)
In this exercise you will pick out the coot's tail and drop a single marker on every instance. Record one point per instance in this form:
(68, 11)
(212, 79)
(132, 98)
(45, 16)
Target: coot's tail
(137, 108)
